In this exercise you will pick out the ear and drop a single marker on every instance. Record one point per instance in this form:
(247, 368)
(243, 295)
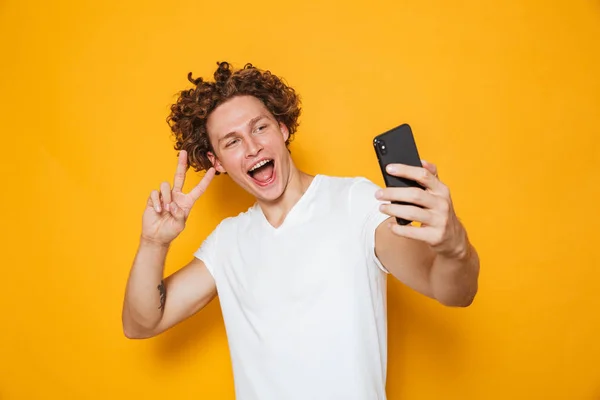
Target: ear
(284, 131)
(215, 162)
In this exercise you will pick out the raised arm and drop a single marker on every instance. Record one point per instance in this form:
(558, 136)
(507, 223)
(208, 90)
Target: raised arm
(153, 304)
(435, 258)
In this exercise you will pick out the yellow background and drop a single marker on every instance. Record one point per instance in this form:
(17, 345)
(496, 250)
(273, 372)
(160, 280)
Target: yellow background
(504, 97)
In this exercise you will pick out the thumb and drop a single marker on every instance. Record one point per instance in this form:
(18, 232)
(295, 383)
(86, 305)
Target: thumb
(176, 211)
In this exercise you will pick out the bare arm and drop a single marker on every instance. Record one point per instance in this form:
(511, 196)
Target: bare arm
(436, 258)
(451, 280)
(151, 304)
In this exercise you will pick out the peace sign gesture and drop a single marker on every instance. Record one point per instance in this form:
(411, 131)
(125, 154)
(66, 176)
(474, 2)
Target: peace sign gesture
(168, 209)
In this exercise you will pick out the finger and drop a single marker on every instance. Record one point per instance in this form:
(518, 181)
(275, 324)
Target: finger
(423, 234)
(430, 167)
(176, 211)
(418, 174)
(407, 212)
(200, 188)
(155, 200)
(165, 192)
(411, 195)
(180, 171)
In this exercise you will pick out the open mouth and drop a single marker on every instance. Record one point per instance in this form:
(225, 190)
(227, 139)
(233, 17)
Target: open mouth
(263, 172)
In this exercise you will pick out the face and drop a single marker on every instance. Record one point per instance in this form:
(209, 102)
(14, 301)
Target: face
(249, 145)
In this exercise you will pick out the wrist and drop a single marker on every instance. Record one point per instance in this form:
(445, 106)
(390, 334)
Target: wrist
(460, 251)
(153, 243)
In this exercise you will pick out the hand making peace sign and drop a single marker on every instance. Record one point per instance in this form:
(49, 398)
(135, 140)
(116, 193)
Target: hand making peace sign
(168, 209)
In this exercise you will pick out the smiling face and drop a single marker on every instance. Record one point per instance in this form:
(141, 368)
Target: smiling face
(249, 144)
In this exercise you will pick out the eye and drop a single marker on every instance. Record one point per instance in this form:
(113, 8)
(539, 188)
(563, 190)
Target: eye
(261, 128)
(232, 142)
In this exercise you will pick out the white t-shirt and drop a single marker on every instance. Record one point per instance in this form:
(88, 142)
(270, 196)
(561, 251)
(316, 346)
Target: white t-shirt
(304, 304)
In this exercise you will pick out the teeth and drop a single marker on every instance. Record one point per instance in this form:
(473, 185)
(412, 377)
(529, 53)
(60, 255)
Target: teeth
(259, 164)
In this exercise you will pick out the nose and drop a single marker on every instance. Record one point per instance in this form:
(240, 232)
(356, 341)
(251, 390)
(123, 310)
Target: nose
(252, 148)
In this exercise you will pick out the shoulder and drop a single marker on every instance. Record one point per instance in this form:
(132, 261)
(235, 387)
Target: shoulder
(234, 221)
(238, 223)
(349, 185)
(355, 195)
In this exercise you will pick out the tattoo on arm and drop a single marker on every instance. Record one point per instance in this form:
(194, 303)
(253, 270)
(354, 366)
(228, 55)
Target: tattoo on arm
(163, 294)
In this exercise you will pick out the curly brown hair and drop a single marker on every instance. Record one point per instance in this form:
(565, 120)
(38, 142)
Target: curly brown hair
(189, 114)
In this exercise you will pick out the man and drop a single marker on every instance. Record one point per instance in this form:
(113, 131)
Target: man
(301, 275)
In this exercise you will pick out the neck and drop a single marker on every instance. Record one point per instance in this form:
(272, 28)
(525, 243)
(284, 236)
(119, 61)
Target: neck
(297, 183)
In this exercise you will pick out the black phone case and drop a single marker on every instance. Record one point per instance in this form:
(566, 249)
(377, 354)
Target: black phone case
(397, 146)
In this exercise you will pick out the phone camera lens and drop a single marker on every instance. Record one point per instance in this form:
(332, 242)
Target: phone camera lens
(382, 147)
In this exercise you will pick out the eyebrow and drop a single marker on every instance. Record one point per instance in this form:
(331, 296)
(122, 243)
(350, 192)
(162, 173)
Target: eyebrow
(250, 123)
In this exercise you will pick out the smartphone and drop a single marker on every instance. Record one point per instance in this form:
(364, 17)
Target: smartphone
(397, 146)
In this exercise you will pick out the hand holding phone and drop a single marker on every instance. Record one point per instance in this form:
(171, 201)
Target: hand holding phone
(397, 146)
(410, 180)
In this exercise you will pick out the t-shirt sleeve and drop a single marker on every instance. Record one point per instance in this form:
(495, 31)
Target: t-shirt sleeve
(364, 211)
(208, 251)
